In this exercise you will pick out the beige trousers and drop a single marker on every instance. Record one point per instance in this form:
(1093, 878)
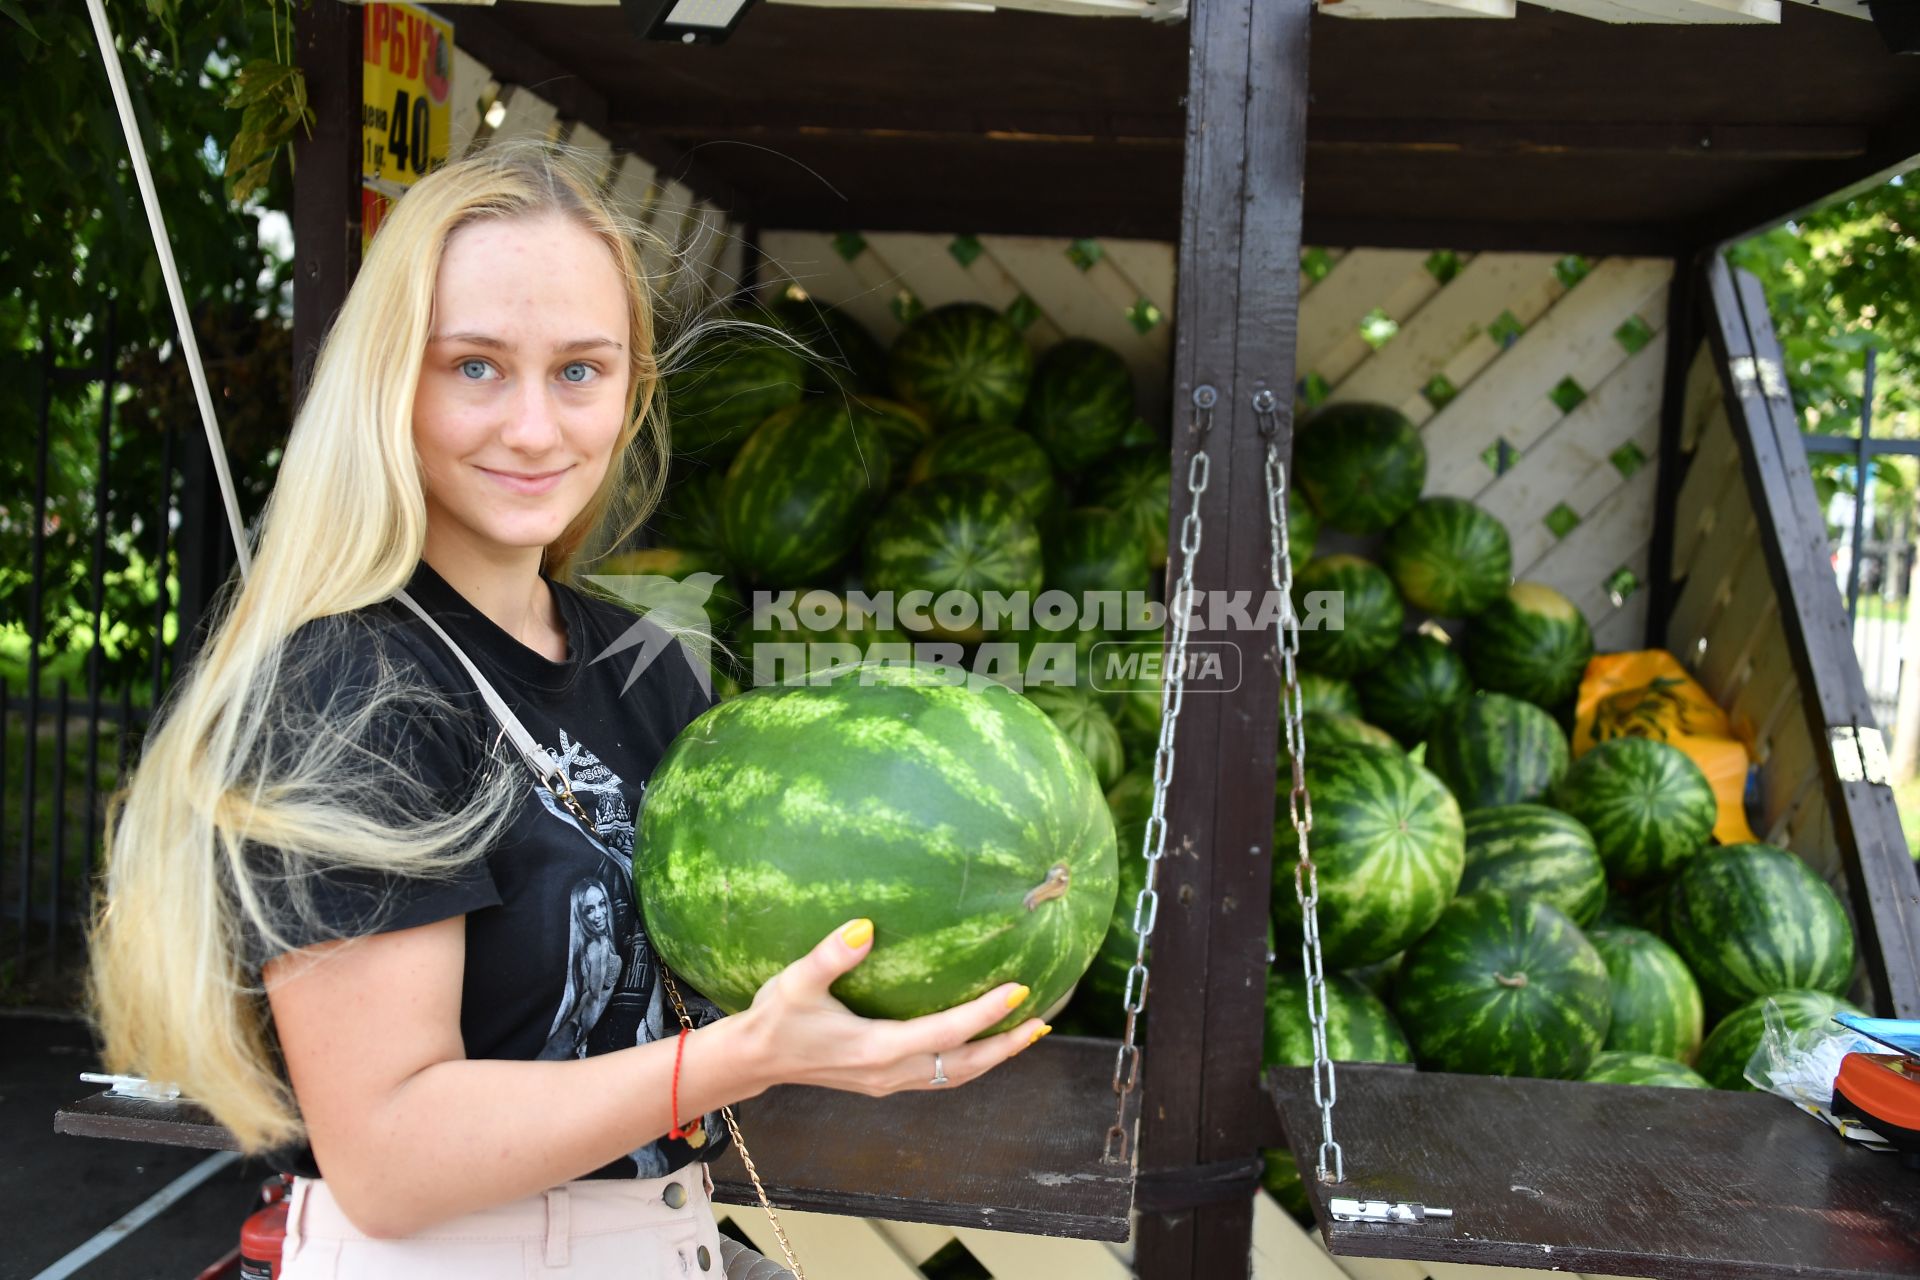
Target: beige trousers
(650, 1229)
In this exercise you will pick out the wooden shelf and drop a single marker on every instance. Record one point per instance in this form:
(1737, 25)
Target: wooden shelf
(1671, 1184)
(1020, 1150)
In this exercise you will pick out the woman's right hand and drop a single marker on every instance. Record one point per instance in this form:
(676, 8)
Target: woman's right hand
(808, 1037)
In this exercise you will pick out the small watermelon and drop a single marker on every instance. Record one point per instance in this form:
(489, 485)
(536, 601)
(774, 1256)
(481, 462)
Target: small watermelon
(1007, 456)
(1362, 466)
(1303, 530)
(1350, 615)
(1532, 643)
(962, 363)
(955, 534)
(1324, 728)
(842, 355)
(1504, 986)
(734, 377)
(1420, 677)
(1389, 846)
(1648, 805)
(1752, 918)
(1138, 485)
(1092, 549)
(1322, 692)
(1731, 1043)
(1378, 977)
(1529, 850)
(1656, 1002)
(1494, 750)
(691, 514)
(1620, 1067)
(1360, 1028)
(1081, 403)
(798, 492)
(1079, 714)
(902, 431)
(1449, 557)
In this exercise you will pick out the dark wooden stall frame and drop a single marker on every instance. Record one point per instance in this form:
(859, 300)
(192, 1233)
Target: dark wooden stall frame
(1544, 132)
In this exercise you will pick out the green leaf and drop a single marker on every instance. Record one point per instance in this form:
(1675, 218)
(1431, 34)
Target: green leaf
(10, 9)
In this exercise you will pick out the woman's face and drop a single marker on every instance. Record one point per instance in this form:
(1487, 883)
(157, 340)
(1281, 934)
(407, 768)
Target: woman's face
(595, 909)
(523, 391)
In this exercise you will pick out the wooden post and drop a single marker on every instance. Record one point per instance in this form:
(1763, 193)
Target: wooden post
(326, 177)
(1906, 710)
(1237, 316)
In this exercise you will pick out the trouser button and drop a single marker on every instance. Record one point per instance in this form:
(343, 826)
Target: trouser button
(705, 1259)
(675, 1195)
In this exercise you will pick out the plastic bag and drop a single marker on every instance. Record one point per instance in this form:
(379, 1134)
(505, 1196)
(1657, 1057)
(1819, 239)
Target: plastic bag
(1648, 694)
(1800, 1066)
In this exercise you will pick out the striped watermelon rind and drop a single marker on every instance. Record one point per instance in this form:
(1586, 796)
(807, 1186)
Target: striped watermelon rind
(962, 363)
(798, 492)
(1079, 714)
(1359, 595)
(1420, 677)
(1648, 805)
(1617, 1066)
(1731, 1043)
(1138, 485)
(1388, 842)
(1494, 750)
(1007, 456)
(1322, 692)
(1529, 850)
(957, 533)
(1080, 404)
(1753, 918)
(733, 379)
(1504, 986)
(1532, 643)
(1657, 1007)
(1360, 1027)
(1102, 991)
(1449, 557)
(841, 354)
(1303, 529)
(901, 430)
(1362, 466)
(1324, 728)
(955, 816)
(1092, 549)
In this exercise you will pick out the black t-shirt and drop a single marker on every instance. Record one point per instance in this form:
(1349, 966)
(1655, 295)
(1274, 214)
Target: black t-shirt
(558, 964)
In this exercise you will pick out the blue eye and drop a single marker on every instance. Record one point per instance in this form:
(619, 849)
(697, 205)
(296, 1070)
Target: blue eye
(578, 372)
(475, 370)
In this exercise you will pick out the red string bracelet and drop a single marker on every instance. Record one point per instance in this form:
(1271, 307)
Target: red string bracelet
(675, 1131)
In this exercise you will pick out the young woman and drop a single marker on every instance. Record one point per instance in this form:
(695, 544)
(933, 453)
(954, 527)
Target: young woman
(341, 912)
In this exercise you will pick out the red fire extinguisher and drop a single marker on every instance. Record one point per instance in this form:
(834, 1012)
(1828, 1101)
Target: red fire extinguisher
(262, 1234)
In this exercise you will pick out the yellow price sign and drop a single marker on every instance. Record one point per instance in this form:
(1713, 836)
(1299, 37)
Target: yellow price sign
(406, 103)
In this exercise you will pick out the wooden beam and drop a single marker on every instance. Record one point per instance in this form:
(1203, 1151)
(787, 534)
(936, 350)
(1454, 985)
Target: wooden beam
(1683, 338)
(1766, 207)
(1598, 239)
(1671, 12)
(326, 177)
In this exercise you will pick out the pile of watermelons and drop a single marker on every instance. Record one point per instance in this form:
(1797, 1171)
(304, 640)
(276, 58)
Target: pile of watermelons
(1489, 905)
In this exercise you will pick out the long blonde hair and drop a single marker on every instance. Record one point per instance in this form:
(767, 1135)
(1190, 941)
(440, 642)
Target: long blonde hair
(211, 846)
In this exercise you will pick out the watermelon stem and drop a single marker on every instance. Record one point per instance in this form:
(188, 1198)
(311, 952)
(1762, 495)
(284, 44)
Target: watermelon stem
(1516, 981)
(1054, 886)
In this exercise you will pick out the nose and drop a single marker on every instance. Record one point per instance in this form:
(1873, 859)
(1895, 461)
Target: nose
(533, 425)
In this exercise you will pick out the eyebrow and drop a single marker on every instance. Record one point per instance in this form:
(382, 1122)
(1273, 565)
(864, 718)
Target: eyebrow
(500, 344)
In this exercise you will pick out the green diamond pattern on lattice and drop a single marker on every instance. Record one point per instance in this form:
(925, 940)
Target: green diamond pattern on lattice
(1621, 584)
(1378, 328)
(907, 307)
(1439, 390)
(1314, 390)
(1443, 265)
(1499, 457)
(1143, 315)
(1627, 459)
(1567, 395)
(1022, 312)
(965, 249)
(1572, 269)
(1315, 264)
(849, 245)
(1084, 253)
(1506, 329)
(1633, 334)
(1562, 520)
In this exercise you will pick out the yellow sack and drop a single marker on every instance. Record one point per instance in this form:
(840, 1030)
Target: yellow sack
(1650, 695)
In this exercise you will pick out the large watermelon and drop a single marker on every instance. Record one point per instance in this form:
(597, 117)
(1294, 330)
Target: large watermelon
(1081, 402)
(1326, 729)
(1360, 1028)
(1138, 486)
(1388, 843)
(1104, 988)
(843, 355)
(1729, 1046)
(1656, 1002)
(798, 492)
(1529, 850)
(1449, 557)
(1620, 1067)
(960, 533)
(902, 431)
(1494, 750)
(956, 817)
(690, 515)
(1303, 529)
(1080, 715)
(962, 363)
(734, 377)
(1350, 614)
(1322, 692)
(1752, 918)
(1092, 549)
(1362, 466)
(1648, 805)
(1504, 986)
(1532, 642)
(1007, 456)
(1420, 677)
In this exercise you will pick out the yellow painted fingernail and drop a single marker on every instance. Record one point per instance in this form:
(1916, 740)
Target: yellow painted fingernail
(1044, 1029)
(857, 934)
(1017, 997)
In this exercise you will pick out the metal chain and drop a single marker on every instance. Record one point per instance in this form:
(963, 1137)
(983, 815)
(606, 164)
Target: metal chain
(1146, 906)
(564, 793)
(1306, 875)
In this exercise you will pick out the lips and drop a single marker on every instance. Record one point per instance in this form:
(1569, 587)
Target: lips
(530, 484)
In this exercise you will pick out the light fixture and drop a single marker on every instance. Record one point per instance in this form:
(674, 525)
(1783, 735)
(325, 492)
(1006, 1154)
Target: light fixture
(685, 21)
